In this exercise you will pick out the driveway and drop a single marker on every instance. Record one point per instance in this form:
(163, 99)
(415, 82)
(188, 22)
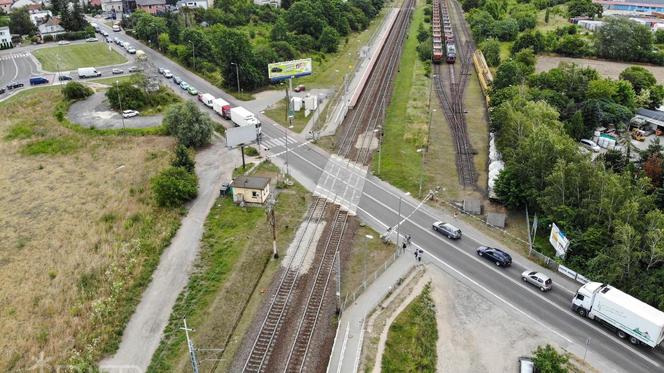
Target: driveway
(95, 112)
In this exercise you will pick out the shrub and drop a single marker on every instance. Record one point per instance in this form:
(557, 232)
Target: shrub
(250, 151)
(188, 124)
(126, 96)
(76, 91)
(183, 158)
(174, 186)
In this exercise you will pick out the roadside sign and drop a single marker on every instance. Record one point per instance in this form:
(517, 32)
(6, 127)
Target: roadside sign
(279, 71)
(558, 240)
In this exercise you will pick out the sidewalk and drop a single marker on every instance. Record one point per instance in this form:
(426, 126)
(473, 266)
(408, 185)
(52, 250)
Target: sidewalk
(350, 332)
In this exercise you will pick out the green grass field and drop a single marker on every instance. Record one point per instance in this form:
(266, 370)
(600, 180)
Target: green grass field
(70, 57)
(557, 18)
(411, 340)
(407, 118)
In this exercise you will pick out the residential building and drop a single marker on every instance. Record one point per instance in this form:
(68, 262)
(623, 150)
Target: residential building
(250, 189)
(112, 5)
(6, 5)
(95, 2)
(51, 27)
(151, 6)
(5, 38)
(631, 6)
(274, 3)
(40, 16)
(192, 4)
(30, 4)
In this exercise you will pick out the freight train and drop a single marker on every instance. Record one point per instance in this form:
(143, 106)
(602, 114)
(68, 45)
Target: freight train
(443, 35)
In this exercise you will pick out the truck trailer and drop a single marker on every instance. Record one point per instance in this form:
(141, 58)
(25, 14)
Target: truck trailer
(625, 315)
(206, 98)
(242, 117)
(88, 72)
(221, 107)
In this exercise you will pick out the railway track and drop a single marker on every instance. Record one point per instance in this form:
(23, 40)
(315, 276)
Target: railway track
(265, 340)
(451, 97)
(369, 112)
(297, 357)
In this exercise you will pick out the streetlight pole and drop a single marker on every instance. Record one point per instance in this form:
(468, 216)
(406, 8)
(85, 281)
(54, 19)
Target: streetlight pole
(193, 52)
(237, 75)
(117, 86)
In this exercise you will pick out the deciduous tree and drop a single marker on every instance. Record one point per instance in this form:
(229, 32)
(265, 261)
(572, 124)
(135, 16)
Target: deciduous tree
(188, 124)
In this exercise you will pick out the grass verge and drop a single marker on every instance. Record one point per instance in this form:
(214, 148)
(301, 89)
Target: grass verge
(74, 56)
(81, 233)
(235, 265)
(278, 113)
(411, 340)
(113, 79)
(407, 118)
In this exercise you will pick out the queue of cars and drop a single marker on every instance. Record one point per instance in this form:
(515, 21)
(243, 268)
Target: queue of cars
(497, 256)
(177, 80)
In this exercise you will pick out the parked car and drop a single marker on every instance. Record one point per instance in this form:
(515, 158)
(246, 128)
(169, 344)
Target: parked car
(63, 77)
(117, 40)
(129, 113)
(447, 230)
(526, 365)
(116, 71)
(63, 42)
(134, 69)
(168, 74)
(38, 80)
(542, 281)
(109, 39)
(14, 85)
(184, 85)
(177, 80)
(116, 28)
(161, 70)
(590, 145)
(192, 91)
(501, 258)
(104, 33)
(2, 90)
(91, 40)
(300, 88)
(131, 50)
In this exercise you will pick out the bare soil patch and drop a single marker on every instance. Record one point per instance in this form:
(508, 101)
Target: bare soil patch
(609, 69)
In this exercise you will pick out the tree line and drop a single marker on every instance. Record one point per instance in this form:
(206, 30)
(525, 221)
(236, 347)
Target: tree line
(609, 207)
(238, 33)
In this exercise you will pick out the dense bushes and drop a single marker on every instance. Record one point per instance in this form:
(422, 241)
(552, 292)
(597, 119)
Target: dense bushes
(134, 95)
(76, 91)
(188, 124)
(174, 186)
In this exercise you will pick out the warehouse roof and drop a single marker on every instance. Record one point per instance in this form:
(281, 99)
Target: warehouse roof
(250, 182)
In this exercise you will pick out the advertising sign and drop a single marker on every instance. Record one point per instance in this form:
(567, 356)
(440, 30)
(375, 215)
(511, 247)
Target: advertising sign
(558, 240)
(244, 135)
(289, 69)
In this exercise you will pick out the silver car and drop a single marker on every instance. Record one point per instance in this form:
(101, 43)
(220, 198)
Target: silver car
(447, 229)
(542, 281)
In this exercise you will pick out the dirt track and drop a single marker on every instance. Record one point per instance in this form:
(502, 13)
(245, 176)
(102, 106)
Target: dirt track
(608, 69)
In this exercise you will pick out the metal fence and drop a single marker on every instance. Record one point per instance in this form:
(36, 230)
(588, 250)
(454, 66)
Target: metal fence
(351, 297)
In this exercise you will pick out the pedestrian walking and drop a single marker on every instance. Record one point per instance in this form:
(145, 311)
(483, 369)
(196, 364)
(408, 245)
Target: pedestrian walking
(408, 240)
(416, 256)
(419, 256)
(455, 214)
(403, 246)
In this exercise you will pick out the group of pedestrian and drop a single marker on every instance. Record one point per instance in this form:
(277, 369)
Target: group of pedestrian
(418, 254)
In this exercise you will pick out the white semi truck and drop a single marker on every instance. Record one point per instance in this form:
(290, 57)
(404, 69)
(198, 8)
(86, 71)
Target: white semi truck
(627, 316)
(242, 117)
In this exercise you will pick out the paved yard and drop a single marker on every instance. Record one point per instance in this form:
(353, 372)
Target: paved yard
(96, 112)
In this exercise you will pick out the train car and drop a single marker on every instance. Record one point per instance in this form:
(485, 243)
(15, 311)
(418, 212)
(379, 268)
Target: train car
(450, 53)
(437, 56)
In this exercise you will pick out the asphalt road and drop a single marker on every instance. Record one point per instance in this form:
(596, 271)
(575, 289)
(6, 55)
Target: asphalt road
(378, 208)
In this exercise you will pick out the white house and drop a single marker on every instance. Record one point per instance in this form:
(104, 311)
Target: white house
(51, 27)
(5, 38)
(274, 3)
(110, 5)
(192, 4)
(23, 3)
(38, 17)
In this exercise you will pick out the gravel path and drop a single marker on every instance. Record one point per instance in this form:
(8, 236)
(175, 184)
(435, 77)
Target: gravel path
(143, 332)
(605, 68)
(95, 112)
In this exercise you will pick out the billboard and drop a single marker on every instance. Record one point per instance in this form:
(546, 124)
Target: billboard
(289, 69)
(244, 135)
(558, 240)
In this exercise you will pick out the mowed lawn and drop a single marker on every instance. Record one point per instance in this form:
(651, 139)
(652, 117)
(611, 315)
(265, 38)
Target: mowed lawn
(70, 57)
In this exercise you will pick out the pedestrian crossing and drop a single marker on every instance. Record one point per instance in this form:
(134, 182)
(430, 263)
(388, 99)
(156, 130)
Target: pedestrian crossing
(7, 57)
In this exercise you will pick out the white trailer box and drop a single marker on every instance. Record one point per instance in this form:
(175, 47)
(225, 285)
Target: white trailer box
(206, 99)
(630, 317)
(243, 117)
(88, 72)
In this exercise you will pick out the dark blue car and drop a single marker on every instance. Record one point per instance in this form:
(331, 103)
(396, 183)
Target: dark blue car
(38, 80)
(501, 258)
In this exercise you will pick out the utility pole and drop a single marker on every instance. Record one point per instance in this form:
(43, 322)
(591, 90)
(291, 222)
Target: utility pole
(190, 345)
(193, 52)
(117, 86)
(269, 210)
(289, 117)
(237, 75)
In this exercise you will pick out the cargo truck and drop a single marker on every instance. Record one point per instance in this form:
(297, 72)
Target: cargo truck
(242, 117)
(625, 315)
(88, 72)
(206, 98)
(221, 107)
